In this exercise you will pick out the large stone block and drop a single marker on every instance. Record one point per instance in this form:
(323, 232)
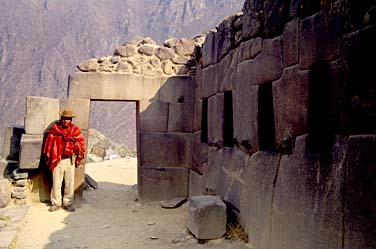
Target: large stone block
(290, 99)
(233, 175)
(215, 118)
(165, 149)
(12, 142)
(177, 89)
(114, 86)
(197, 111)
(251, 48)
(153, 116)
(41, 112)
(196, 184)
(307, 198)
(360, 185)
(257, 195)
(81, 108)
(268, 65)
(209, 50)
(31, 150)
(290, 43)
(207, 217)
(226, 72)
(320, 39)
(209, 85)
(159, 183)
(252, 20)
(225, 37)
(180, 117)
(212, 175)
(199, 153)
(245, 102)
(5, 192)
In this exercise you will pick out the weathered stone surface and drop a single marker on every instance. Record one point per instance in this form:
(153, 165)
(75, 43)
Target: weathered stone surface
(275, 17)
(308, 194)
(126, 51)
(233, 175)
(215, 118)
(176, 89)
(112, 86)
(180, 117)
(290, 99)
(168, 149)
(197, 111)
(3, 166)
(146, 49)
(199, 153)
(31, 150)
(196, 184)
(268, 65)
(159, 183)
(290, 43)
(5, 192)
(252, 18)
(167, 67)
(89, 66)
(209, 52)
(184, 46)
(225, 36)
(153, 116)
(213, 173)
(226, 72)
(81, 107)
(41, 112)
(12, 142)
(181, 70)
(149, 70)
(207, 217)
(360, 188)
(124, 67)
(251, 48)
(257, 196)
(245, 115)
(320, 39)
(164, 53)
(209, 85)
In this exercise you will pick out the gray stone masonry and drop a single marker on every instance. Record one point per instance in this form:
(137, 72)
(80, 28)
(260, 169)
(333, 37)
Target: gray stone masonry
(207, 217)
(41, 112)
(31, 149)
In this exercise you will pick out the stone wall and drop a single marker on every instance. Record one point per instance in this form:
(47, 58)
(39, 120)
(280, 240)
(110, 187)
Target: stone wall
(285, 126)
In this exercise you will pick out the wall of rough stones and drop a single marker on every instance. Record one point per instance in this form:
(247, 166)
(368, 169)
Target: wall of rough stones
(285, 122)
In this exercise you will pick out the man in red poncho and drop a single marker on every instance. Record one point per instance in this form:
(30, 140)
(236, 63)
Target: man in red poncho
(64, 148)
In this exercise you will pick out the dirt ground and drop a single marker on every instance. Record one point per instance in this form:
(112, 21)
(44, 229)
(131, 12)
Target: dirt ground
(109, 217)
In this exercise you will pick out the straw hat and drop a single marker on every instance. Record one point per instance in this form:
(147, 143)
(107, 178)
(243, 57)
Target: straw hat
(67, 112)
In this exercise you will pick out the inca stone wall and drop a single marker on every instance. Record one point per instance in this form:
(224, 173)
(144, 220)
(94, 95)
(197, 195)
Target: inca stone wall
(285, 122)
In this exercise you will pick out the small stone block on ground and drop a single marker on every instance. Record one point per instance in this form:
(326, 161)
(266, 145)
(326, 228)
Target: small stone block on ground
(207, 217)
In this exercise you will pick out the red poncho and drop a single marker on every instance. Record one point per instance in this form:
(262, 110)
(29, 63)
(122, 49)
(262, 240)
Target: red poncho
(63, 142)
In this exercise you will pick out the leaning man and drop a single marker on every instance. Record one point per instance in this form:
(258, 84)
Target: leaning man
(64, 148)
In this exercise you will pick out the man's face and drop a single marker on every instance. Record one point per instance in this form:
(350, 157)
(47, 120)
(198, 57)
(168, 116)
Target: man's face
(65, 122)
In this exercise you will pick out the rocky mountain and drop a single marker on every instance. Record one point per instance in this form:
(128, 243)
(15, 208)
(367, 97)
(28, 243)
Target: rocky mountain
(42, 41)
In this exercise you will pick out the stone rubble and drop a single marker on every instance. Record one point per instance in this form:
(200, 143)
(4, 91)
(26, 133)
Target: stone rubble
(144, 56)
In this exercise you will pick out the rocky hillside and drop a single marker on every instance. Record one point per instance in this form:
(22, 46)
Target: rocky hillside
(42, 41)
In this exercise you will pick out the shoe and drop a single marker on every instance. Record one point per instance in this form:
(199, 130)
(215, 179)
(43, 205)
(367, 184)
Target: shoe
(53, 208)
(69, 208)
